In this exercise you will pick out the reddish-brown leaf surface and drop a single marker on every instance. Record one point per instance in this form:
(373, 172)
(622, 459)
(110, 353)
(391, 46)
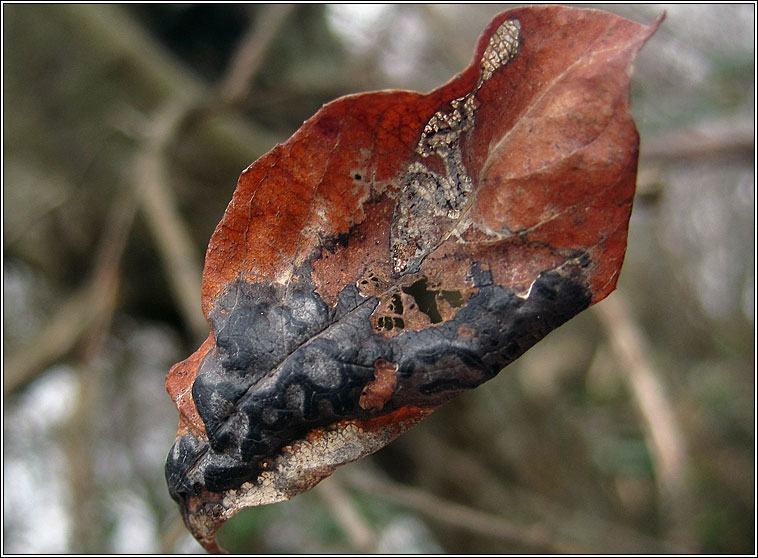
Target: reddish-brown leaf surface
(400, 248)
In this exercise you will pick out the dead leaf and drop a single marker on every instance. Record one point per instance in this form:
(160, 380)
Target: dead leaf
(400, 248)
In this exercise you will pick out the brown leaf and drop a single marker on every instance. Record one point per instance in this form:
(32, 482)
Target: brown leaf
(400, 248)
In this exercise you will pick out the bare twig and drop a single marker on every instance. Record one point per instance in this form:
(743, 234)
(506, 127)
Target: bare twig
(61, 333)
(175, 246)
(178, 254)
(84, 501)
(459, 515)
(665, 438)
(357, 530)
(599, 533)
(708, 138)
(104, 288)
(88, 314)
(169, 229)
(85, 308)
(171, 534)
(250, 52)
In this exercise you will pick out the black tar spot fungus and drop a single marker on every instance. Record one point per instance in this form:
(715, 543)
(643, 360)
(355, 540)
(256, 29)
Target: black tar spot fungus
(287, 363)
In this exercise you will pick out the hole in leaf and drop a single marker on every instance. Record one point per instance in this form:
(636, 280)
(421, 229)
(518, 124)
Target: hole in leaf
(396, 304)
(453, 298)
(425, 299)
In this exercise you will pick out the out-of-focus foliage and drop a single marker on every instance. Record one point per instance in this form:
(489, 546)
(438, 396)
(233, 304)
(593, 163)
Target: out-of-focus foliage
(554, 441)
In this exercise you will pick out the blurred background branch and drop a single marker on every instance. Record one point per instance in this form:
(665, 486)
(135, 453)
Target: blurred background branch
(461, 517)
(235, 86)
(665, 437)
(358, 531)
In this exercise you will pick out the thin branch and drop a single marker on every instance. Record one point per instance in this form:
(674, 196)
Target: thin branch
(84, 503)
(249, 55)
(169, 229)
(458, 515)
(172, 237)
(83, 309)
(176, 249)
(665, 437)
(601, 534)
(104, 288)
(708, 138)
(359, 533)
(171, 535)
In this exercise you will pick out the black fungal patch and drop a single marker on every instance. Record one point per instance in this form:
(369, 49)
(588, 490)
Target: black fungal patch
(287, 363)
(341, 239)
